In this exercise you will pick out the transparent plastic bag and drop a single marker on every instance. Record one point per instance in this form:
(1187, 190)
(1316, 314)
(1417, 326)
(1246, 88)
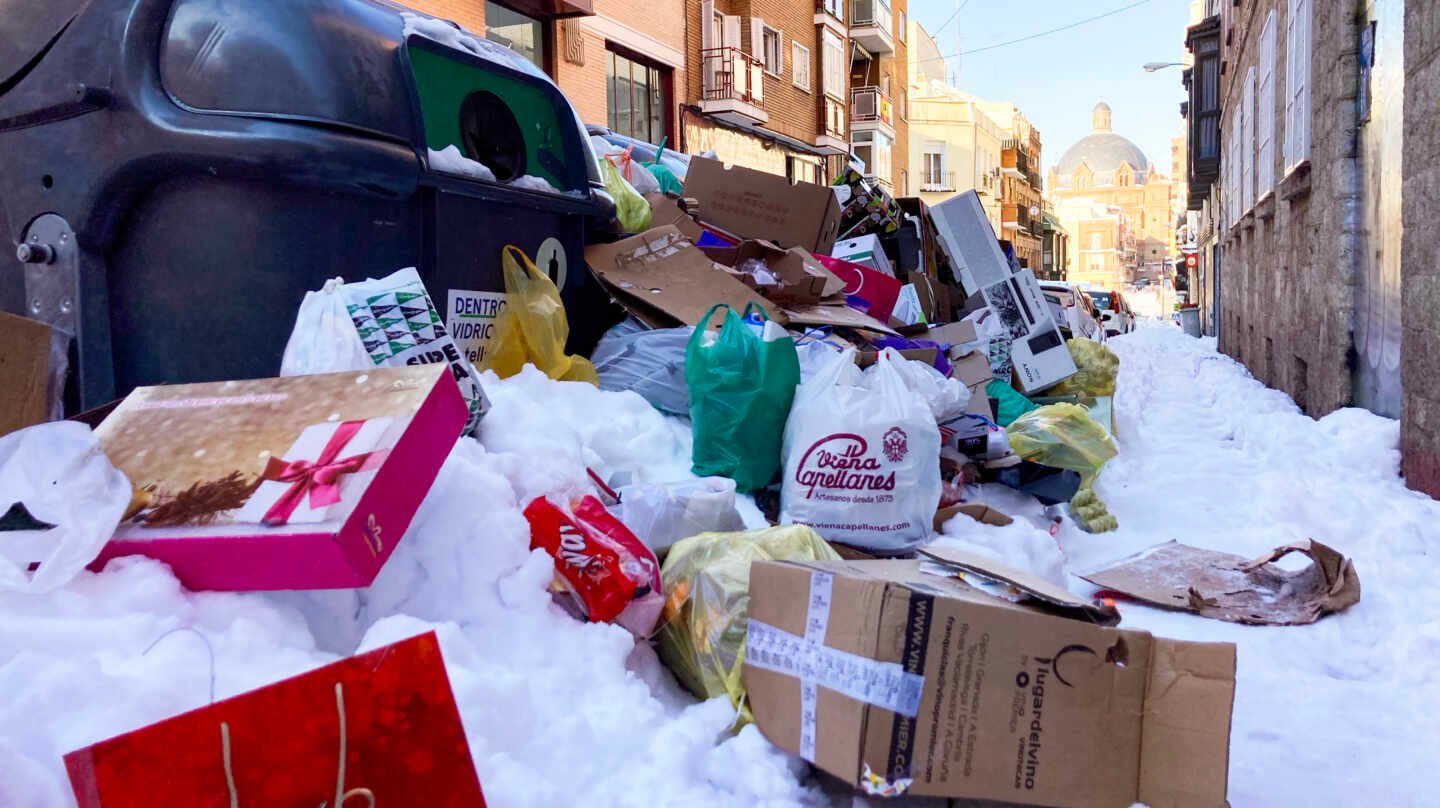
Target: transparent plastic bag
(649, 362)
(661, 514)
(324, 339)
(532, 328)
(707, 598)
(59, 475)
(630, 207)
(1062, 436)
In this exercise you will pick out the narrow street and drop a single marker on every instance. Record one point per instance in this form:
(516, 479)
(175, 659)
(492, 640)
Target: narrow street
(1335, 713)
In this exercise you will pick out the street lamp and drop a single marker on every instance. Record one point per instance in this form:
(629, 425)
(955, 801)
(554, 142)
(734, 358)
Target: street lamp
(1151, 67)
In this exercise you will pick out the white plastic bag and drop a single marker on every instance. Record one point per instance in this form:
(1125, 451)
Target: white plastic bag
(62, 478)
(946, 397)
(861, 457)
(324, 339)
(650, 362)
(390, 322)
(661, 514)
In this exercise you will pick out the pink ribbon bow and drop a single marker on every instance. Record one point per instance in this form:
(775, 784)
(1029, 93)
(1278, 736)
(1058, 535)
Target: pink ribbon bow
(320, 479)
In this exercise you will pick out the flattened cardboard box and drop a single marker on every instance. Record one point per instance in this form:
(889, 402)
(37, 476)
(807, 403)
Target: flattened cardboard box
(25, 373)
(900, 681)
(750, 204)
(662, 276)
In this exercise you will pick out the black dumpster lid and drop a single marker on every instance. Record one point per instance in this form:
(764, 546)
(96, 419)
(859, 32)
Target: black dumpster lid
(27, 30)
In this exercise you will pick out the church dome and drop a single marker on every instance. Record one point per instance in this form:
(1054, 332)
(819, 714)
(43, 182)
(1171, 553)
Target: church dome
(1103, 151)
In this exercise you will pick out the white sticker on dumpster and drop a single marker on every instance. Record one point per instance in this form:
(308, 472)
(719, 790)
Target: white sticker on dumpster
(471, 320)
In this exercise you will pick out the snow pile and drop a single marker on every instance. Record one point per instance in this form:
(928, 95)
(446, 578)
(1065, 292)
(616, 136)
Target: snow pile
(530, 182)
(449, 160)
(557, 712)
(1335, 713)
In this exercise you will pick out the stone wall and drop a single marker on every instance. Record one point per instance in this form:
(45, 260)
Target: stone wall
(1287, 277)
(1420, 256)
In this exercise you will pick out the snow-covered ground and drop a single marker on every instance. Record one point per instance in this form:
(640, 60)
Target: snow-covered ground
(561, 713)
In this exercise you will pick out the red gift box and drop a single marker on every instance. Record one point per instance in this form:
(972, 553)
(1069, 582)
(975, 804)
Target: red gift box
(379, 729)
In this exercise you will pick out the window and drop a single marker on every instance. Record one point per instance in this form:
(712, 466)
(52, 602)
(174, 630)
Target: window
(765, 45)
(1265, 111)
(1095, 241)
(800, 65)
(835, 8)
(803, 169)
(1297, 83)
(904, 182)
(635, 97)
(522, 34)
(832, 56)
(933, 178)
(900, 34)
(1232, 172)
(1247, 143)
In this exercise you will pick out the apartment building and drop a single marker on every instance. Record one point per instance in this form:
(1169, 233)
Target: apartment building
(1020, 184)
(879, 79)
(1102, 244)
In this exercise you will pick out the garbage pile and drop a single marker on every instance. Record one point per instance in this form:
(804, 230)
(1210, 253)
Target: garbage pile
(862, 367)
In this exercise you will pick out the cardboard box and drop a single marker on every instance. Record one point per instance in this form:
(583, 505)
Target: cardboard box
(864, 250)
(803, 279)
(663, 278)
(303, 482)
(28, 388)
(381, 725)
(1037, 350)
(965, 234)
(837, 316)
(867, 358)
(901, 681)
(754, 204)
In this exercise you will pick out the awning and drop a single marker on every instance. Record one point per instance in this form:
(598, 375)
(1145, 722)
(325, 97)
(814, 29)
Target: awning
(764, 134)
(551, 9)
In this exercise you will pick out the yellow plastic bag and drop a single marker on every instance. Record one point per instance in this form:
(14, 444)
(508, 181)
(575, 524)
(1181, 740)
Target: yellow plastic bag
(630, 207)
(532, 327)
(707, 597)
(1098, 367)
(1062, 436)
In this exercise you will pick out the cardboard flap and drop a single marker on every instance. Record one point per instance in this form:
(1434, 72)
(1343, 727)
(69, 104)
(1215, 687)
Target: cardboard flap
(24, 372)
(1032, 585)
(840, 316)
(1185, 736)
(756, 204)
(1227, 587)
(661, 270)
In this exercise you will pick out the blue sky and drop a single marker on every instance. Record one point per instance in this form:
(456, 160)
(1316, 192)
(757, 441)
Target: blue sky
(1057, 79)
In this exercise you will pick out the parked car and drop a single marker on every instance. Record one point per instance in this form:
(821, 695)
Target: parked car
(1073, 309)
(1115, 313)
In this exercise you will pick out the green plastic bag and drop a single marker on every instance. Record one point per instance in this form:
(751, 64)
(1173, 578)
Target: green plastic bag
(741, 387)
(1098, 367)
(1009, 402)
(1062, 436)
(707, 597)
(630, 207)
(670, 185)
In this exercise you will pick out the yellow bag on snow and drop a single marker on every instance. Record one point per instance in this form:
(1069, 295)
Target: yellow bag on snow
(630, 207)
(1097, 365)
(532, 328)
(1062, 436)
(707, 598)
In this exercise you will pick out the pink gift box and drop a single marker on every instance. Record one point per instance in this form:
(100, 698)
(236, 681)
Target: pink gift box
(304, 482)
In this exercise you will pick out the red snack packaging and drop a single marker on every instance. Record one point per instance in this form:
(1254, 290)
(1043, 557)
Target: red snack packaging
(612, 575)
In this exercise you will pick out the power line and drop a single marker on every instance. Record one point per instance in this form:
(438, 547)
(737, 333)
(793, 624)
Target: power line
(1075, 24)
(952, 17)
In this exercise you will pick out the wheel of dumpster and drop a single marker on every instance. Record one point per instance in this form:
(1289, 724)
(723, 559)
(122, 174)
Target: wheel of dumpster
(491, 135)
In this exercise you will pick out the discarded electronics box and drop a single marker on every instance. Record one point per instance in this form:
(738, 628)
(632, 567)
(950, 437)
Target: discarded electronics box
(1036, 347)
(756, 204)
(866, 251)
(901, 680)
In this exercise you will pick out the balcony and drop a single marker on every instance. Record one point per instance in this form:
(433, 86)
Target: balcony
(1015, 162)
(871, 26)
(1017, 218)
(871, 111)
(937, 182)
(832, 123)
(831, 13)
(733, 86)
